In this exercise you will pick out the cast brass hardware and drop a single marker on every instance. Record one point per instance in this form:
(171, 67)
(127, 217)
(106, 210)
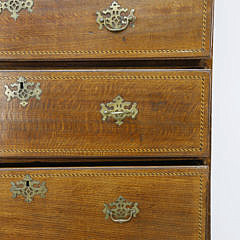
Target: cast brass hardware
(121, 210)
(28, 188)
(15, 6)
(118, 110)
(23, 91)
(115, 18)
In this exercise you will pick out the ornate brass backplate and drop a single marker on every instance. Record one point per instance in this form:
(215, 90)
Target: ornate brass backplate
(115, 18)
(121, 210)
(118, 110)
(28, 188)
(23, 91)
(15, 6)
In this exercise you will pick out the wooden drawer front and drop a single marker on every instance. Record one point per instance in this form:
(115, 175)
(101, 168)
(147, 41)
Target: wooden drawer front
(171, 204)
(170, 116)
(69, 30)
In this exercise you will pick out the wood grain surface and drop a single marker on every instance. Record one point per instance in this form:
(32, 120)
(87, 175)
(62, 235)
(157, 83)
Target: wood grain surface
(67, 30)
(172, 204)
(173, 117)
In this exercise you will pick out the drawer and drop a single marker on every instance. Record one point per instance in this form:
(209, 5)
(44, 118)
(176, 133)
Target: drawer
(104, 113)
(147, 203)
(80, 29)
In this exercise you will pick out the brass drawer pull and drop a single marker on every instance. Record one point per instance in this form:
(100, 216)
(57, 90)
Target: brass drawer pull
(121, 210)
(23, 91)
(118, 110)
(115, 18)
(15, 6)
(28, 188)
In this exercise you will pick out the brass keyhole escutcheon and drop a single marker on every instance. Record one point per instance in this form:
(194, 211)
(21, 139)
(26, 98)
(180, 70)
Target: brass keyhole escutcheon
(23, 90)
(28, 188)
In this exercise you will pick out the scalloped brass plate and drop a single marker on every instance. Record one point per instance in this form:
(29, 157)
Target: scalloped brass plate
(28, 188)
(23, 91)
(115, 18)
(15, 6)
(121, 210)
(118, 109)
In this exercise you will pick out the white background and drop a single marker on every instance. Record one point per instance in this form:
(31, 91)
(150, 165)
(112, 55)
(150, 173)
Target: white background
(226, 122)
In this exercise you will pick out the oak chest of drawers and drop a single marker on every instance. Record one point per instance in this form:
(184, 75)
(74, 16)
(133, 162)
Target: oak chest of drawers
(105, 119)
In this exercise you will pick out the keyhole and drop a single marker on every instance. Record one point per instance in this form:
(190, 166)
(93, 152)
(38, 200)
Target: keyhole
(21, 85)
(27, 183)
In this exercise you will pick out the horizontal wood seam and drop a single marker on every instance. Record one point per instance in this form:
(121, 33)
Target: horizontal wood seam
(112, 77)
(103, 150)
(119, 174)
(101, 52)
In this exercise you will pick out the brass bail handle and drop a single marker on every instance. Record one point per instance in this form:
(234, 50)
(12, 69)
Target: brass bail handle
(115, 18)
(121, 211)
(123, 220)
(118, 109)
